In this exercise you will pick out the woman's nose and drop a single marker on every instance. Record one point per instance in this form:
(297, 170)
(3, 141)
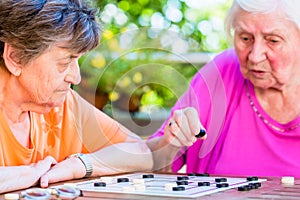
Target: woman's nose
(257, 53)
(74, 76)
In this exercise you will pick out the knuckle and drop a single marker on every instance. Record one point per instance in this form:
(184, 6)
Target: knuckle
(191, 111)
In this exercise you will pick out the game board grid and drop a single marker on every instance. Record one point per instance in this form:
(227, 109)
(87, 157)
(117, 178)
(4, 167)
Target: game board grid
(156, 186)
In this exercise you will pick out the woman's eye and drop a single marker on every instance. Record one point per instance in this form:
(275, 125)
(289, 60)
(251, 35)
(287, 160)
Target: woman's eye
(274, 41)
(246, 39)
(64, 66)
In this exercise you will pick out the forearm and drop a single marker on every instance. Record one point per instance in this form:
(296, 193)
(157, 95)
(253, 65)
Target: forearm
(113, 159)
(122, 157)
(17, 177)
(163, 154)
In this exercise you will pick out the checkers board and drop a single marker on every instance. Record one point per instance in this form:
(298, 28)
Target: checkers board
(141, 185)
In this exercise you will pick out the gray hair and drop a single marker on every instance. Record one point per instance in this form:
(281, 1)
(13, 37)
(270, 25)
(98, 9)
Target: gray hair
(32, 26)
(290, 9)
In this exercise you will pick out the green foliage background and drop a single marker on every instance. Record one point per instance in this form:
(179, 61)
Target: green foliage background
(139, 13)
(112, 68)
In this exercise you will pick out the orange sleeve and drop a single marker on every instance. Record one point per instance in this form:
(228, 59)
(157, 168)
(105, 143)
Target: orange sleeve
(98, 129)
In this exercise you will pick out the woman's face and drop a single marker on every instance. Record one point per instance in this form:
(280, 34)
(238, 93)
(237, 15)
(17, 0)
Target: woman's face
(267, 46)
(47, 79)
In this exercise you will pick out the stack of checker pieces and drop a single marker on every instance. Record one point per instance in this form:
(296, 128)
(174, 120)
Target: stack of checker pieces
(251, 185)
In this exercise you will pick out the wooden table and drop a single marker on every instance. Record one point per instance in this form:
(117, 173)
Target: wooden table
(271, 189)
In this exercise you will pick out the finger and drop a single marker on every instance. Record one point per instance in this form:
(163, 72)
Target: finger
(183, 123)
(42, 166)
(59, 172)
(175, 142)
(179, 128)
(44, 181)
(189, 138)
(170, 137)
(195, 125)
(193, 120)
(177, 134)
(50, 160)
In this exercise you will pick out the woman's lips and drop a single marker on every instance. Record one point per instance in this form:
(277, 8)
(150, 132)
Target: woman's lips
(258, 73)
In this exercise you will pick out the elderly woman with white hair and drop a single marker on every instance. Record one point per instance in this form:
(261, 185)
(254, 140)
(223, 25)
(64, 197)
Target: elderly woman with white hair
(247, 99)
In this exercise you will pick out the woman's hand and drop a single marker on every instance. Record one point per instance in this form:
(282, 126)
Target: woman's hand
(67, 169)
(183, 128)
(20, 177)
(42, 166)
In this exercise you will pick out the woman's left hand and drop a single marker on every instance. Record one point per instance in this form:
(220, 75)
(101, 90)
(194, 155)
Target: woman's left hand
(71, 168)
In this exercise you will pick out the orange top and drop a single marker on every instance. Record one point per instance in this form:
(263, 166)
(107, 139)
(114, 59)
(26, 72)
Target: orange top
(75, 127)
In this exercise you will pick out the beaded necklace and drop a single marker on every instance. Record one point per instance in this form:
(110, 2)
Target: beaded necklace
(265, 120)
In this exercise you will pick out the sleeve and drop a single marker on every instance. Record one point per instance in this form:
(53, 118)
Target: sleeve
(207, 94)
(197, 96)
(98, 129)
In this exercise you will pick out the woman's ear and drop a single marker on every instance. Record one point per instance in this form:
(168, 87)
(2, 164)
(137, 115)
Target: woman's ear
(11, 61)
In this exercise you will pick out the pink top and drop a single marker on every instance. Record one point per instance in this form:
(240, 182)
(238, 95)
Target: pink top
(240, 141)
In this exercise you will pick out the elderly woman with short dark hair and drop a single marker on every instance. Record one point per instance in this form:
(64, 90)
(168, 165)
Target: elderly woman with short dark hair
(48, 132)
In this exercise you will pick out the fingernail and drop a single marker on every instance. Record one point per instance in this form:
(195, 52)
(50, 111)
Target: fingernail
(194, 140)
(171, 122)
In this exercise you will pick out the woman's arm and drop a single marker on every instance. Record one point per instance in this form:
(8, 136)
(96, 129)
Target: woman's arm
(20, 177)
(107, 144)
(130, 156)
(163, 154)
(179, 132)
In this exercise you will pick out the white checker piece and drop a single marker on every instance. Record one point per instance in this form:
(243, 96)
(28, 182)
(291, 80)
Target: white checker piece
(288, 180)
(159, 186)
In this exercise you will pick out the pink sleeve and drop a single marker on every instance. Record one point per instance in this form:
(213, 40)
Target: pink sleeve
(207, 94)
(196, 93)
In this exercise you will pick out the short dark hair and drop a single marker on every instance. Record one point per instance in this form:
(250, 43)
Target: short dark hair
(31, 26)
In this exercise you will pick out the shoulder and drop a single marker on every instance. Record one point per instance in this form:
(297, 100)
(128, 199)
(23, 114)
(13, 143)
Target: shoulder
(74, 100)
(227, 63)
(77, 106)
(226, 57)
(223, 67)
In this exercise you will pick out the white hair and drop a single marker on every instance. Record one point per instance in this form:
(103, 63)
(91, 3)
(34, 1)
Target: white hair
(289, 8)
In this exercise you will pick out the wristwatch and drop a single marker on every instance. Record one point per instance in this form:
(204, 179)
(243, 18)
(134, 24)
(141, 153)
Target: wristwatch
(87, 164)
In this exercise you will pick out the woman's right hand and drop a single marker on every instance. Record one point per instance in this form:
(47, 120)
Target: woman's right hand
(20, 177)
(183, 127)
